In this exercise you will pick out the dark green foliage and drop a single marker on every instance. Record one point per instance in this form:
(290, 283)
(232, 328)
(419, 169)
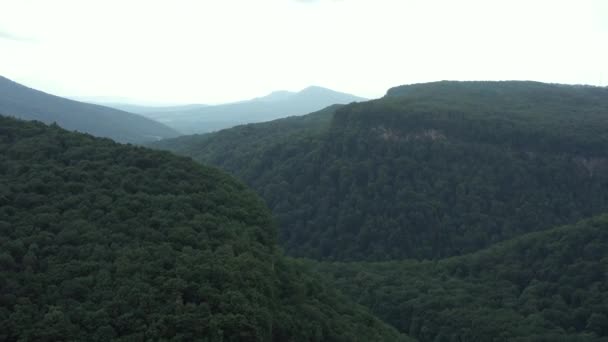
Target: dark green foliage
(428, 171)
(525, 115)
(101, 241)
(244, 141)
(545, 286)
(21, 102)
(437, 170)
(424, 174)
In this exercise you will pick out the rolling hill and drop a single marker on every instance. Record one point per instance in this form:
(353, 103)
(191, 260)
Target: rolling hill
(200, 119)
(25, 103)
(543, 286)
(101, 241)
(428, 171)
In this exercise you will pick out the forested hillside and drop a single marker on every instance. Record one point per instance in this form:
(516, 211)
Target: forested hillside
(25, 103)
(545, 286)
(428, 171)
(243, 141)
(101, 241)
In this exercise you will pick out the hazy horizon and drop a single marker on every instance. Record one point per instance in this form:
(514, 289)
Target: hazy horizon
(130, 101)
(221, 51)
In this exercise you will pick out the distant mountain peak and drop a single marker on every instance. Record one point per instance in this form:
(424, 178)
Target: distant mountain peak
(321, 91)
(279, 95)
(314, 92)
(315, 88)
(310, 93)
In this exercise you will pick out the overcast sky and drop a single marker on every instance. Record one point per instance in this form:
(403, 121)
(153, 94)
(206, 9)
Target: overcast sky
(210, 51)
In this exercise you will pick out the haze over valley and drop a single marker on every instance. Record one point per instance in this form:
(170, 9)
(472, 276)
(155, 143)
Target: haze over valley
(199, 118)
(25, 103)
(135, 123)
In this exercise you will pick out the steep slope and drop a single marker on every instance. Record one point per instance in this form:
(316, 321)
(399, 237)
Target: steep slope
(101, 241)
(544, 286)
(428, 171)
(22, 102)
(276, 105)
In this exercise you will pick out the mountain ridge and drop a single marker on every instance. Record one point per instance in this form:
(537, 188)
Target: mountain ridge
(278, 104)
(27, 103)
(424, 175)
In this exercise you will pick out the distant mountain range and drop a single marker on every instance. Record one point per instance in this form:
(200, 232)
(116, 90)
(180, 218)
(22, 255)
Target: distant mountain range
(198, 118)
(25, 103)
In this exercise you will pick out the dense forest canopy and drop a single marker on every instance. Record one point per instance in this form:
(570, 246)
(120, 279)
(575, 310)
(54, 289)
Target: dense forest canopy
(101, 241)
(544, 286)
(428, 171)
(25, 103)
